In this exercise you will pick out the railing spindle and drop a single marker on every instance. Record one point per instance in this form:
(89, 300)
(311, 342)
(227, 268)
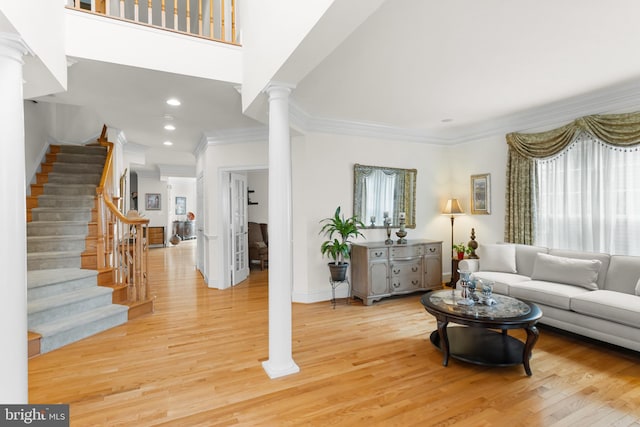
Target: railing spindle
(215, 23)
(233, 21)
(175, 15)
(188, 16)
(222, 32)
(211, 36)
(164, 15)
(200, 17)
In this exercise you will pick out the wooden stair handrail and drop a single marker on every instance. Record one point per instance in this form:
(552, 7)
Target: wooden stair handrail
(121, 239)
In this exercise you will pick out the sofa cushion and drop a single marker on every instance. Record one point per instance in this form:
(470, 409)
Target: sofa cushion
(548, 293)
(603, 258)
(501, 281)
(526, 258)
(609, 305)
(571, 271)
(623, 274)
(499, 257)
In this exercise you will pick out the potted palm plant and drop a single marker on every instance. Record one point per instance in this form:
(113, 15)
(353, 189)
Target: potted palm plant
(339, 232)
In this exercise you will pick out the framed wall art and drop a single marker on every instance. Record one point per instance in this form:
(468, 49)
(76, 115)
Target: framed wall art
(481, 194)
(152, 201)
(181, 205)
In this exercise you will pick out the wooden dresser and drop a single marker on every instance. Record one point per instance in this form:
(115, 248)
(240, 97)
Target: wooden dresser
(379, 270)
(156, 236)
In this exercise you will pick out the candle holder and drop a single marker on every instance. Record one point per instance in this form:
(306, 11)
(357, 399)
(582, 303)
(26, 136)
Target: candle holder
(387, 224)
(402, 232)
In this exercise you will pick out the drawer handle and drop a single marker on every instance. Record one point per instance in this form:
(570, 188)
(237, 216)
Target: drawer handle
(432, 250)
(396, 285)
(414, 269)
(378, 254)
(415, 282)
(396, 271)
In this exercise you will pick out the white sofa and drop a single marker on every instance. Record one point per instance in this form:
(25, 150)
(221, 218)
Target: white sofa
(591, 294)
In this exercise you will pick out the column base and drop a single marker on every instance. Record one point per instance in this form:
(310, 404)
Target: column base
(277, 372)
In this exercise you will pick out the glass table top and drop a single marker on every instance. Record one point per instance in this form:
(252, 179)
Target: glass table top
(451, 301)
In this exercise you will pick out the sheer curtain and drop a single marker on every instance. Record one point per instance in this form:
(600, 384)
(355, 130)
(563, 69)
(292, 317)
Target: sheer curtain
(588, 198)
(381, 194)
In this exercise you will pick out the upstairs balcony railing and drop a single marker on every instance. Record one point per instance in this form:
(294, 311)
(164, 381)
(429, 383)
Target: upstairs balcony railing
(210, 19)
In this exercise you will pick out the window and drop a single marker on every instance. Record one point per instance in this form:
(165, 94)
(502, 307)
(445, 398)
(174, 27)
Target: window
(588, 198)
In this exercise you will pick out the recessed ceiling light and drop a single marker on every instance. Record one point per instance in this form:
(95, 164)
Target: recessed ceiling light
(447, 120)
(168, 143)
(169, 127)
(173, 101)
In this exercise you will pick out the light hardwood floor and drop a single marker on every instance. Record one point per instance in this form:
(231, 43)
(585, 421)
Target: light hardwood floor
(197, 362)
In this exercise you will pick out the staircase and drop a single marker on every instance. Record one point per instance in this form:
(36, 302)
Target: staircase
(65, 301)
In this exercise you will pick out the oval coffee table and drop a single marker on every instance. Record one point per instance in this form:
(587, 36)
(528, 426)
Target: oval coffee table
(481, 342)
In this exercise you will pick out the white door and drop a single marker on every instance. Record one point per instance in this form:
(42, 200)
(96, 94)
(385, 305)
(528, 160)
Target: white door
(239, 235)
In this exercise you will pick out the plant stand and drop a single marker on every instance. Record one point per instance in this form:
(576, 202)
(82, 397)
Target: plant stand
(334, 284)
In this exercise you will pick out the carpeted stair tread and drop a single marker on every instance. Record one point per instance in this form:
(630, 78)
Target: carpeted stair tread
(82, 149)
(55, 189)
(39, 278)
(60, 167)
(38, 305)
(94, 158)
(51, 260)
(74, 178)
(61, 214)
(74, 328)
(52, 200)
(64, 243)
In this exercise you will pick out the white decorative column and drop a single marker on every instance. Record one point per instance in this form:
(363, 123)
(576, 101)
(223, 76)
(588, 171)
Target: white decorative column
(280, 361)
(13, 246)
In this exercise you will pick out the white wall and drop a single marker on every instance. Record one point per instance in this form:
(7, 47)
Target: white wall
(323, 179)
(488, 155)
(181, 187)
(38, 122)
(267, 43)
(258, 181)
(149, 183)
(41, 26)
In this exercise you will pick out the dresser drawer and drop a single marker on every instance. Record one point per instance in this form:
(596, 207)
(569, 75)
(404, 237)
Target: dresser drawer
(432, 249)
(407, 251)
(378, 253)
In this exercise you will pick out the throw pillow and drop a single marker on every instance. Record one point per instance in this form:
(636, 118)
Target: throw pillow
(570, 271)
(498, 258)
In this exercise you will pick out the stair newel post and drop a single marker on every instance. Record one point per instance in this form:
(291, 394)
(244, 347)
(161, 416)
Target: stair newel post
(139, 258)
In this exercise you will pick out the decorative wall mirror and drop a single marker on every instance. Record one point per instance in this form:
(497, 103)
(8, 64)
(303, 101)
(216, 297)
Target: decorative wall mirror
(380, 191)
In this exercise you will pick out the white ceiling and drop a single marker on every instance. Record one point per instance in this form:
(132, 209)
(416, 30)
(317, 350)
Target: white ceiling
(435, 68)
(415, 63)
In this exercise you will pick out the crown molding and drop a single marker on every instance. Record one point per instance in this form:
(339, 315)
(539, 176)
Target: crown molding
(622, 97)
(234, 136)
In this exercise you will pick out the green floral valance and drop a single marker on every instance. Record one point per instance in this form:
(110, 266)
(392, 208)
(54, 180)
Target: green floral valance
(615, 129)
(524, 148)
